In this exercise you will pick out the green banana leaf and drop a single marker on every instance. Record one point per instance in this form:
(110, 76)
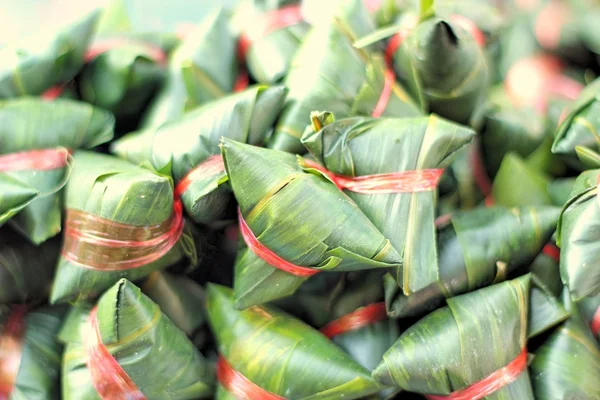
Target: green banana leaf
(14, 197)
(588, 306)
(38, 376)
(476, 248)
(203, 68)
(29, 123)
(269, 58)
(484, 15)
(180, 145)
(114, 189)
(302, 217)
(329, 73)
(560, 189)
(461, 190)
(456, 346)
(577, 231)
(366, 146)
(45, 59)
(567, 365)
(147, 345)
(26, 271)
(443, 68)
(281, 354)
(580, 126)
(179, 298)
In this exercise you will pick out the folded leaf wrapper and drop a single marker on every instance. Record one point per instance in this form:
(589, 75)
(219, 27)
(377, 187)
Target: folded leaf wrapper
(329, 73)
(452, 351)
(30, 354)
(134, 338)
(26, 271)
(567, 365)
(294, 217)
(122, 221)
(203, 68)
(183, 147)
(443, 66)
(411, 153)
(476, 248)
(45, 59)
(271, 33)
(577, 231)
(35, 139)
(14, 196)
(278, 356)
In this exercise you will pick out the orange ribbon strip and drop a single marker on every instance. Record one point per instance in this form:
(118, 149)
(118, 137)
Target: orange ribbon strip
(355, 320)
(11, 350)
(211, 166)
(39, 160)
(239, 386)
(108, 377)
(268, 255)
(422, 180)
(491, 383)
(102, 244)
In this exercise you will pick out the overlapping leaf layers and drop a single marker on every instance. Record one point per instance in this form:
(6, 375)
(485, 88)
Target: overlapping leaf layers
(31, 351)
(473, 348)
(296, 224)
(267, 354)
(35, 140)
(122, 221)
(476, 248)
(126, 348)
(329, 73)
(391, 168)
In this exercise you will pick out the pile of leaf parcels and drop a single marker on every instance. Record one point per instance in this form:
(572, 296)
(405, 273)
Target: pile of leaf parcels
(322, 200)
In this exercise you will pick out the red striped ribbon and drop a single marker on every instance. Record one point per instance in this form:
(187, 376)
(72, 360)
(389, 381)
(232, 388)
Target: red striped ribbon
(267, 23)
(11, 350)
(384, 98)
(102, 244)
(239, 386)
(355, 320)
(39, 160)
(422, 180)
(551, 250)
(211, 166)
(268, 255)
(491, 383)
(595, 325)
(108, 377)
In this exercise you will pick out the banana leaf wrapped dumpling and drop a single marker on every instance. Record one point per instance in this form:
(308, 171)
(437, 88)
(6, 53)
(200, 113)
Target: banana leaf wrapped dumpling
(567, 365)
(296, 224)
(474, 347)
(329, 73)
(127, 336)
(30, 353)
(477, 247)
(266, 353)
(36, 152)
(403, 159)
(122, 221)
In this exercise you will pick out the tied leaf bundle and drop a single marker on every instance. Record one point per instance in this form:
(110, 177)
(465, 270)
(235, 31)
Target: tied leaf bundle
(184, 147)
(203, 68)
(45, 59)
(329, 73)
(271, 33)
(30, 353)
(122, 221)
(442, 65)
(472, 348)
(567, 365)
(577, 231)
(278, 356)
(411, 153)
(136, 339)
(476, 248)
(26, 271)
(296, 224)
(27, 125)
